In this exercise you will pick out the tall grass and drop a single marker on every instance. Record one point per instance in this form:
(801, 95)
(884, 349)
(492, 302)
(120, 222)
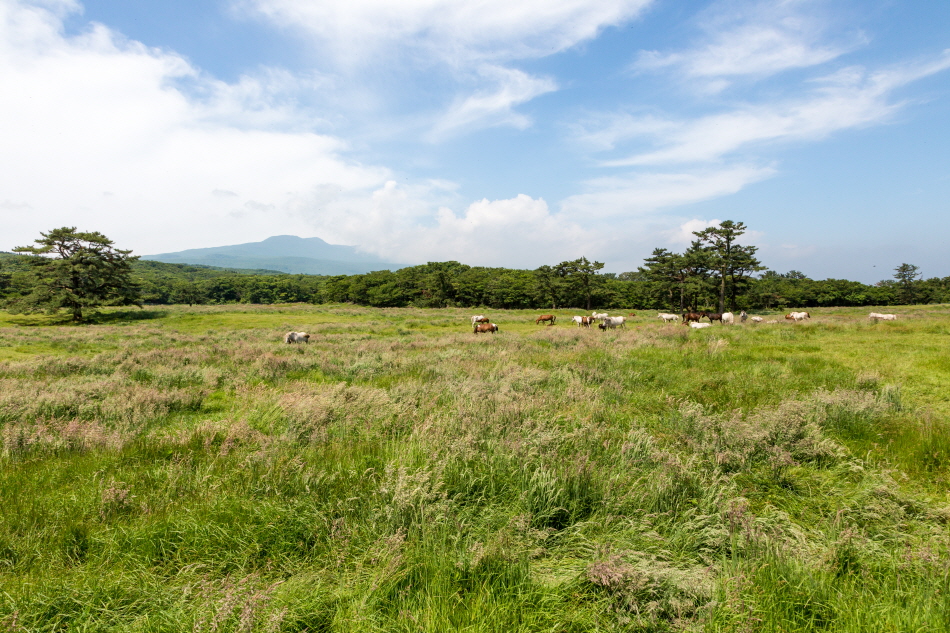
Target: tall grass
(191, 472)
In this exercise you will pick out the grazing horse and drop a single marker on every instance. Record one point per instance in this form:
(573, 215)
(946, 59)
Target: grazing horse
(481, 319)
(584, 321)
(485, 327)
(296, 337)
(692, 316)
(713, 316)
(545, 317)
(612, 322)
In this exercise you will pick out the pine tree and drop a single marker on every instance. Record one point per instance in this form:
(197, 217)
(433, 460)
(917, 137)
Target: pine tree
(582, 276)
(732, 262)
(907, 276)
(76, 271)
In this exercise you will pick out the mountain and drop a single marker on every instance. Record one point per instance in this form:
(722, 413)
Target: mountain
(286, 253)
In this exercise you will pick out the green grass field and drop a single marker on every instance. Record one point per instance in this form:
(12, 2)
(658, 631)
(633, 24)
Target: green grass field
(181, 469)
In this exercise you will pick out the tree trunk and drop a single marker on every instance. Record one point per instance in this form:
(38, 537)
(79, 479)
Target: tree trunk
(722, 293)
(732, 292)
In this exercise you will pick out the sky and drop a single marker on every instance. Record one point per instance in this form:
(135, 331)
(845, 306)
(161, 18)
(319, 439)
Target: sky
(491, 132)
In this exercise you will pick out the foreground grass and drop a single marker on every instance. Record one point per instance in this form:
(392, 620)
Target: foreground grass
(187, 471)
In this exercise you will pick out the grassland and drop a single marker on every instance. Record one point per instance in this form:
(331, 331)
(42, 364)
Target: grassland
(183, 470)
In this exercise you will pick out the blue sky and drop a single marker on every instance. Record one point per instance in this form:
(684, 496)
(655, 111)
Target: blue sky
(491, 132)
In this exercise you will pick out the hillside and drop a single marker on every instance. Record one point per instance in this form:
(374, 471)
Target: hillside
(194, 272)
(284, 253)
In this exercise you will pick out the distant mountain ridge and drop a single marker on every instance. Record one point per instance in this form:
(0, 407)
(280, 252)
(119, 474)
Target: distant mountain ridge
(286, 253)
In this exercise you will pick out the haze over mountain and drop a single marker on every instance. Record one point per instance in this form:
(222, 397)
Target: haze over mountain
(286, 253)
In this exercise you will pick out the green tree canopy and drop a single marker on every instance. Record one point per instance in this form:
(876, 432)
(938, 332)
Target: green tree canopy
(664, 270)
(733, 263)
(548, 285)
(907, 276)
(582, 277)
(76, 271)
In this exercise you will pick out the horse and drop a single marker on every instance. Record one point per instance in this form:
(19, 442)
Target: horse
(545, 317)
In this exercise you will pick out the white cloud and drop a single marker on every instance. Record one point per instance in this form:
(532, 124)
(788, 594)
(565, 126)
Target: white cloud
(416, 224)
(847, 99)
(398, 50)
(267, 100)
(642, 194)
(93, 113)
(754, 39)
(215, 163)
(520, 231)
(494, 107)
(684, 233)
(619, 220)
(447, 31)
(604, 131)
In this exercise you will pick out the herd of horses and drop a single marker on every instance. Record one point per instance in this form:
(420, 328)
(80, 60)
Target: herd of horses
(722, 317)
(481, 324)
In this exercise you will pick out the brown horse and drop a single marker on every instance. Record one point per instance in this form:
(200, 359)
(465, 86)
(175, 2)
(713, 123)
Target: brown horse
(545, 317)
(692, 316)
(485, 327)
(713, 316)
(484, 319)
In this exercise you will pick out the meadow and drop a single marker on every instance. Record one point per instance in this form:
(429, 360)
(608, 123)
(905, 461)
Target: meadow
(181, 469)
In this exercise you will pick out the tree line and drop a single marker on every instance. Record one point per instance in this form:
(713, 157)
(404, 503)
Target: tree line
(76, 271)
